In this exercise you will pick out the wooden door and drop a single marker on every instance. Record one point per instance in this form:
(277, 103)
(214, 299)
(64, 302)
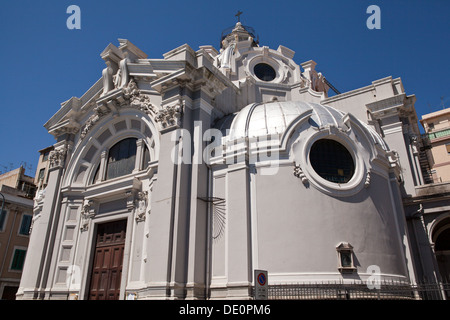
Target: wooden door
(108, 260)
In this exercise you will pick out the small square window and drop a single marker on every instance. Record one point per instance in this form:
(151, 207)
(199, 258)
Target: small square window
(447, 146)
(45, 157)
(345, 257)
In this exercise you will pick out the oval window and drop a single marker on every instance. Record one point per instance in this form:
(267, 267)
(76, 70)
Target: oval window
(332, 161)
(264, 72)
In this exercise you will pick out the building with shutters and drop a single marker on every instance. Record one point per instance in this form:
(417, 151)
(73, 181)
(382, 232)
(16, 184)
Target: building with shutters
(16, 213)
(41, 177)
(175, 178)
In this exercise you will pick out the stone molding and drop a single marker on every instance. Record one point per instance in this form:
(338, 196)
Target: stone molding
(298, 172)
(169, 117)
(130, 95)
(87, 212)
(141, 203)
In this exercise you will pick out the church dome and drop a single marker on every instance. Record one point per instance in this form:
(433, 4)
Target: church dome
(275, 117)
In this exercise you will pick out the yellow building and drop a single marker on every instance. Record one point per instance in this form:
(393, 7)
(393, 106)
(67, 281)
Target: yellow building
(437, 129)
(16, 193)
(41, 178)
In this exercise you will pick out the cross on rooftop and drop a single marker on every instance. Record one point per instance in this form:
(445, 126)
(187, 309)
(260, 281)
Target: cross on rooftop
(238, 15)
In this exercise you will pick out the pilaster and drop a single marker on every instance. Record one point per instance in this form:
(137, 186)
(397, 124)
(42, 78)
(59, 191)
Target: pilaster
(388, 112)
(199, 215)
(239, 246)
(40, 250)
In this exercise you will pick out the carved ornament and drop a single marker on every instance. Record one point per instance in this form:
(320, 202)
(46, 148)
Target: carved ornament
(57, 157)
(298, 172)
(170, 116)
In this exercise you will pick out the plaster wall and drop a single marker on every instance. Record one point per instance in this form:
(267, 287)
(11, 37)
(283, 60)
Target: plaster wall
(299, 228)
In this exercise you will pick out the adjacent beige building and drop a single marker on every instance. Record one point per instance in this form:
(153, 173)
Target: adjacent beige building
(437, 132)
(16, 213)
(41, 177)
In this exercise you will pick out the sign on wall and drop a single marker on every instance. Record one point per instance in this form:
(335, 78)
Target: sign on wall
(261, 285)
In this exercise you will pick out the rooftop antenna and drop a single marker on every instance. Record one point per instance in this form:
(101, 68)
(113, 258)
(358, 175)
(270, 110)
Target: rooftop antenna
(442, 102)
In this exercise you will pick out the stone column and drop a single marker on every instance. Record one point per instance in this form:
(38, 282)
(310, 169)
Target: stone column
(103, 165)
(139, 155)
(40, 248)
(160, 241)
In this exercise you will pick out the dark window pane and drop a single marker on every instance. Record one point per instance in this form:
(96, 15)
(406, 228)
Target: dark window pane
(332, 161)
(18, 259)
(346, 259)
(41, 174)
(264, 72)
(25, 226)
(121, 159)
(443, 241)
(2, 219)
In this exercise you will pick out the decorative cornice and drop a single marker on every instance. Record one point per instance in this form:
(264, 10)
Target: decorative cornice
(70, 126)
(386, 107)
(212, 85)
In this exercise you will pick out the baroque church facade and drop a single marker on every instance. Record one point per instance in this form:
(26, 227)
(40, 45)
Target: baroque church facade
(175, 178)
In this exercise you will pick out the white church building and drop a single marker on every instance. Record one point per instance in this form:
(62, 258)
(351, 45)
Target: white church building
(176, 178)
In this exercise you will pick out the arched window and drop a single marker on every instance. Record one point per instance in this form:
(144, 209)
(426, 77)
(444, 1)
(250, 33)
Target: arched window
(441, 239)
(121, 158)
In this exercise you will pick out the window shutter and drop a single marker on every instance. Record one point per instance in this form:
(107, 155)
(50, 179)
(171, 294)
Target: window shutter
(25, 226)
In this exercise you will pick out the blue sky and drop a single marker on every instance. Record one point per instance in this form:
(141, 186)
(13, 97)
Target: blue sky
(43, 63)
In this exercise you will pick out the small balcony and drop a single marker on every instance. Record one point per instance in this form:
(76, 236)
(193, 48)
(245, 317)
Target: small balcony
(438, 134)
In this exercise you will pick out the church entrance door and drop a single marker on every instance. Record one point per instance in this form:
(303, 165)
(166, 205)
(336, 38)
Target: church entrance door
(108, 260)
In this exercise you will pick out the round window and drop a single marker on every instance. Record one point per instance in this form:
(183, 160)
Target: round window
(332, 161)
(264, 72)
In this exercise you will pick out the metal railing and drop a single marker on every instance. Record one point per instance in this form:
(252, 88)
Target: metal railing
(386, 290)
(438, 134)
